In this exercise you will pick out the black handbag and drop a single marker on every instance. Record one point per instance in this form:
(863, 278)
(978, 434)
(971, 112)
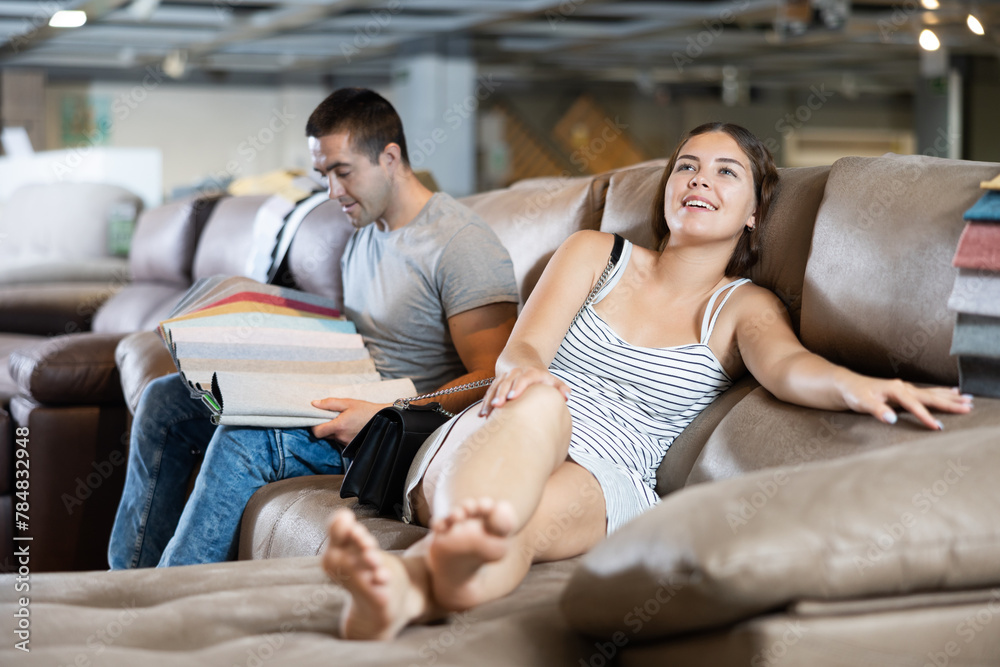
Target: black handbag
(383, 450)
(381, 453)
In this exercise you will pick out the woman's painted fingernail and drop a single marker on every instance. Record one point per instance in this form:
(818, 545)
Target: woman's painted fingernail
(968, 397)
(889, 417)
(495, 402)
(510, 394)
(939, 425)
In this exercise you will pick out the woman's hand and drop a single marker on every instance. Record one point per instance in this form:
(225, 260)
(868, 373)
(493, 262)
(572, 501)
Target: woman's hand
(511, 384)
(875, 396)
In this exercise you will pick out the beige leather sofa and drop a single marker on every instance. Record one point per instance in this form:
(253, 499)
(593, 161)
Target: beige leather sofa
(786, 536)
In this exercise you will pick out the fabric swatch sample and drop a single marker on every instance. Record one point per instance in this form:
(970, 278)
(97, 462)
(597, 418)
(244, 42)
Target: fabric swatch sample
(987, 209)
(976, 292)
(976, 336)
(979, 247)
(979, 376)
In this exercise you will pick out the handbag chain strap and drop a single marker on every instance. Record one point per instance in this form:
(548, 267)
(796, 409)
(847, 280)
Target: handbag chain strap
(404, 403)
(597, 288)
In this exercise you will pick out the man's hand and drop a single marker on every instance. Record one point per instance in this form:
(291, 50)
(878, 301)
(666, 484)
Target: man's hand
(353, 416)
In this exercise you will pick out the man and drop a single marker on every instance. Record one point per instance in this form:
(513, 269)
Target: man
(426, 282)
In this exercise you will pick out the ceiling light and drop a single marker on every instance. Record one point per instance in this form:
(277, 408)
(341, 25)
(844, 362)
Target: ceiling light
(175, 64)
(974, 25)
(142, 10)
(68, 19)
(929, 41)
(930, 4)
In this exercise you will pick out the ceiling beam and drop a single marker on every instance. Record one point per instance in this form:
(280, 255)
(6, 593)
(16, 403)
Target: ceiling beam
(40, 31)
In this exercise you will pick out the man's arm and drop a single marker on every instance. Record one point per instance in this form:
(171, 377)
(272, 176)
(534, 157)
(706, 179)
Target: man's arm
(479, 335)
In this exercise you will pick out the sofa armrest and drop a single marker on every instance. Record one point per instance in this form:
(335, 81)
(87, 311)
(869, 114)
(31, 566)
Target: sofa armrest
(911, 518)
(55, 308)
(288, 518)
(69, 370)
(141, 358)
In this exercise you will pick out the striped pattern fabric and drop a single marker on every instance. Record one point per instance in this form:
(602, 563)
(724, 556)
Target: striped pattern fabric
(628, 403)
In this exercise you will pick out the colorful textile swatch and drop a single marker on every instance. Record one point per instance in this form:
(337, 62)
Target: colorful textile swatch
(987, 209)
(979, 376)
(258, 355)
(976, 336)
(979, 247)
(976, 292)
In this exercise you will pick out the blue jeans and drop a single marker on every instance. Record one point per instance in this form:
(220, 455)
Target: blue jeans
(154, 525)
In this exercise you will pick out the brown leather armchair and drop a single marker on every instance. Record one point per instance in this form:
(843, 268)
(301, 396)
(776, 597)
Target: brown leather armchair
(66, 391)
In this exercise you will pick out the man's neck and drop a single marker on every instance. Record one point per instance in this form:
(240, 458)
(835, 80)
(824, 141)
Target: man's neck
(409, 198)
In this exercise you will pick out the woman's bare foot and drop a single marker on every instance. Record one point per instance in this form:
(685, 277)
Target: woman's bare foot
(384, 595)
(476, 533)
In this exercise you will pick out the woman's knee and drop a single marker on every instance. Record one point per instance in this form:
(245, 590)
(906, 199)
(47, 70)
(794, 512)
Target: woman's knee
(541, 405)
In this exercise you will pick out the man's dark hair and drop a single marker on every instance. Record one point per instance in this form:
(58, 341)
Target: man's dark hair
(365, 115)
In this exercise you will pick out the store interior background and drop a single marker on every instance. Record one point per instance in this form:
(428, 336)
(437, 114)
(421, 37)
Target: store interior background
(495, 91)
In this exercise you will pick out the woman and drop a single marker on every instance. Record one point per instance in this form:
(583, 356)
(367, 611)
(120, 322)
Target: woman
(565, 447)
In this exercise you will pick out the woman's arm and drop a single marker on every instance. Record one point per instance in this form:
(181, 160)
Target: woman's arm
(565, 283)
(788, 370)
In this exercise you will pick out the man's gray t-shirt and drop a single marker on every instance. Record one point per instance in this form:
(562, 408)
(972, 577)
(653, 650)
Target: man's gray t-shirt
(400, 288)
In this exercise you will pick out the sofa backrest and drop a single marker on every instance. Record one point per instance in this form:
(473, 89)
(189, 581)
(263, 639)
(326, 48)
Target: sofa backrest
(879, 273)
(160, 260)
(533, 217)
(227, 243)
(165, 240)
(314, 254)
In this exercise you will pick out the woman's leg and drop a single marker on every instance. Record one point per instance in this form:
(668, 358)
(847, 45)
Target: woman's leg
(471, 562)
(500, 495)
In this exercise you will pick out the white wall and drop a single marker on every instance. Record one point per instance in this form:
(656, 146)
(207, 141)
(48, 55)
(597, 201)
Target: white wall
(202, 131)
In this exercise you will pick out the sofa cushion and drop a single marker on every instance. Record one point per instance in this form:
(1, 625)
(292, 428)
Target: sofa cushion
(226, 244)
(879, 273)
(762, 432)
(288, 518)
(67, 370)
(932, 629)
(788, 235)
(533, 218)
(138, 307)
(282, 612)
(629, 202)
(314, 254)
(141, 357)
(165, 239)
(901, 520)
(684, 451)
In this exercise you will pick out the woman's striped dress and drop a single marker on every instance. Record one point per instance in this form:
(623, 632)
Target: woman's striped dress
(628, 403)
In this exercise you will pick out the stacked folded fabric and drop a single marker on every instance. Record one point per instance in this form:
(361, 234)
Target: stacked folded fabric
(976, 296)
(258, 354)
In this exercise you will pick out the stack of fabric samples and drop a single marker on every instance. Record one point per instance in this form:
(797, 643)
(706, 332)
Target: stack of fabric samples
(258, 355)
(976, 296)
